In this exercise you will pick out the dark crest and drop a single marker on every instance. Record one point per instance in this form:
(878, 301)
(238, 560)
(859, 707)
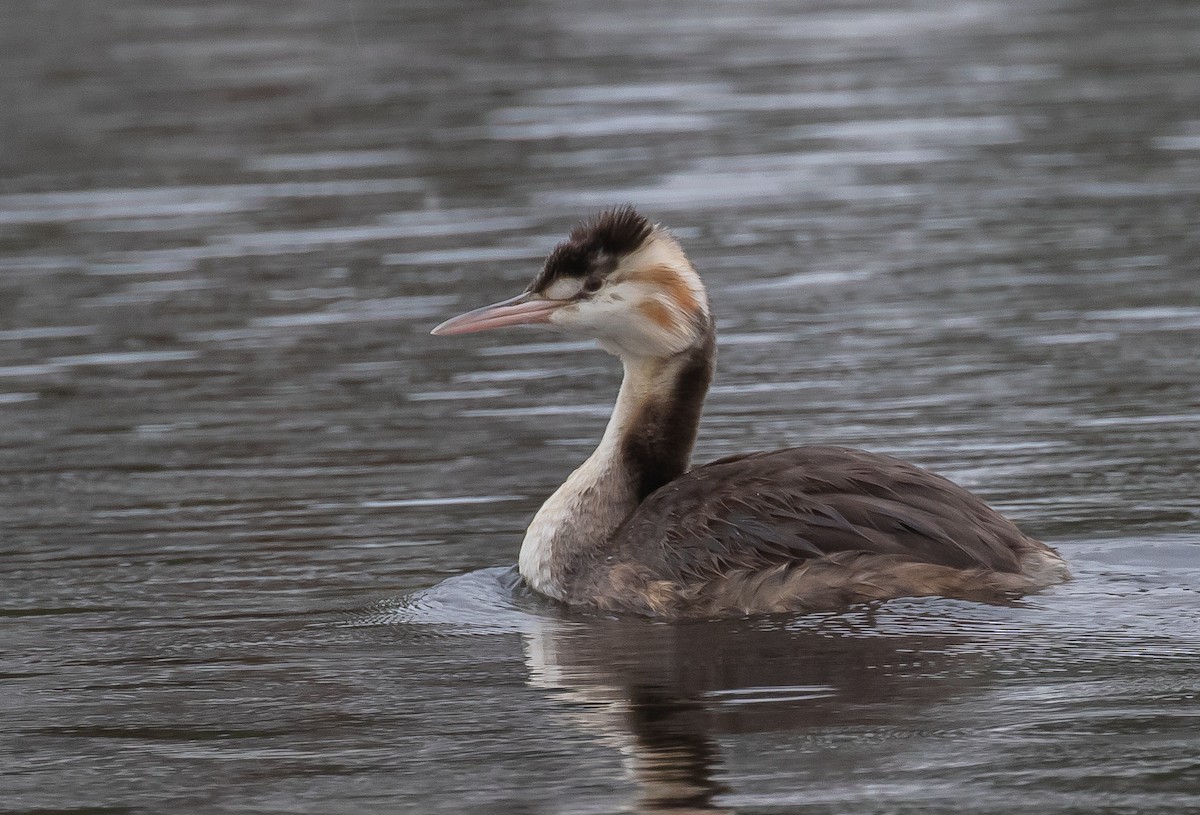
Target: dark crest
(595, 245)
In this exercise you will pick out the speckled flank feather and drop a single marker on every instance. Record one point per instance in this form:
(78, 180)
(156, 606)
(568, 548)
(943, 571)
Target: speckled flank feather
(823, 584)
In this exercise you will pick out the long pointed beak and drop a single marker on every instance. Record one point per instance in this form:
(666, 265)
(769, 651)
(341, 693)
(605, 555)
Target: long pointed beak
(524, 309)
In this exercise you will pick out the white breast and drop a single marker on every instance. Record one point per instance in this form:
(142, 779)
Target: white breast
(537, 550)
(580, 516)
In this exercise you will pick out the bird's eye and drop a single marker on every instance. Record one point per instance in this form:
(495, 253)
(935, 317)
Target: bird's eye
(592, 285)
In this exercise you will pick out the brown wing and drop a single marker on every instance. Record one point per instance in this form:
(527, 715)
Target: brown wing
(784, 507)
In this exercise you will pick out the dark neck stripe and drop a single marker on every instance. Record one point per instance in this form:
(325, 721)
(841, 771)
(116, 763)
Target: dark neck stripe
(658, 445)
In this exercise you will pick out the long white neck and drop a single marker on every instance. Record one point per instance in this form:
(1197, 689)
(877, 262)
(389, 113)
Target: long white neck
(647, 443)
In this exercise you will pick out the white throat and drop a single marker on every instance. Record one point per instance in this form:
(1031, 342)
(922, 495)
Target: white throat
(583, 513)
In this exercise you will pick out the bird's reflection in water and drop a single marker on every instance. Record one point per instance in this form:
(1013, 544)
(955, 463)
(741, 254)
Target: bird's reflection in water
(664, 693)
(672, 757)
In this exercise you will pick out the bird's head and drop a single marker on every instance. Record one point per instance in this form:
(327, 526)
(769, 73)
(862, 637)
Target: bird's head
(617, 278)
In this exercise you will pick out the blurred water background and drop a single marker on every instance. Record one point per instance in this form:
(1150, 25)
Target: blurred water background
(256, 525)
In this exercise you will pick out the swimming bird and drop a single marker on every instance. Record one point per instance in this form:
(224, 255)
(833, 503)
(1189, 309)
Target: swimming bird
(633, 529)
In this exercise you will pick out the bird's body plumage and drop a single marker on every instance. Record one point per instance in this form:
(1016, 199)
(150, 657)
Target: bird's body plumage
(805, 528)
(808, 528)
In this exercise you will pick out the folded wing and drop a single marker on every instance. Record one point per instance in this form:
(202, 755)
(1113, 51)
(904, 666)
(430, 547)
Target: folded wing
(787, 507)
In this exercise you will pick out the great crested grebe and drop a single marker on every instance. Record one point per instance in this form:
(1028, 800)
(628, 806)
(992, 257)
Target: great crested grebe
(804, 528)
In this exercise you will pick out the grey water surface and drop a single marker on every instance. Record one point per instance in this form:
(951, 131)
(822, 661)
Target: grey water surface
(257, 527)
